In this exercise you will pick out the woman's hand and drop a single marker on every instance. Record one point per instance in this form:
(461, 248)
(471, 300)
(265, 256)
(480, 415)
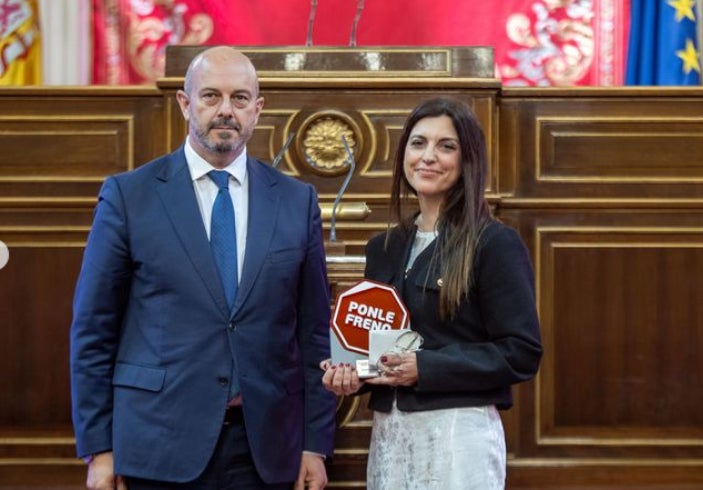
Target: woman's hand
(396, 370)
(340, 379)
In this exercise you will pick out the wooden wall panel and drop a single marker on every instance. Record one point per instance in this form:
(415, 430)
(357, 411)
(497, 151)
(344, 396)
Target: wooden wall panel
(610, 149)
(61, 143)
(58, 146)
(32, 337)
(622, 322)
(605, 187)
(594, 144)
(613, 405)
(39, 136)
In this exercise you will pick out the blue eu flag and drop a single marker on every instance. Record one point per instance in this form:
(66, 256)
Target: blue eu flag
(663, 47)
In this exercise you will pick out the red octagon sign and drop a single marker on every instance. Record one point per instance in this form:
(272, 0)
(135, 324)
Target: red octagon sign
(366, 306)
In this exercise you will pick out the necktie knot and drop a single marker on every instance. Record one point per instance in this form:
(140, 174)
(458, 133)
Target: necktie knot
(220, 178)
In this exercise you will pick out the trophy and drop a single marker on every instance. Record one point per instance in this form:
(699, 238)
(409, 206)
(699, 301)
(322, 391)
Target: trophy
(370, 320)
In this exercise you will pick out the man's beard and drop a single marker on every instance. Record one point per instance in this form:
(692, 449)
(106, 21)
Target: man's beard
(221, 147)
(231, 142)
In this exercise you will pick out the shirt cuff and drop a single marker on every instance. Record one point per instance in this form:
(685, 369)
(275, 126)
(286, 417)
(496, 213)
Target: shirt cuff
(315, 454)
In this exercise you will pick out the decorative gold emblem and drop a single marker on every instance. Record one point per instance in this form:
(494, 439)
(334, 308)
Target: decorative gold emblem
(322, 145)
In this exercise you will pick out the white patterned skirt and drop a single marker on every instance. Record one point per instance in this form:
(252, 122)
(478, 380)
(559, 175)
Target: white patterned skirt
(448, 449)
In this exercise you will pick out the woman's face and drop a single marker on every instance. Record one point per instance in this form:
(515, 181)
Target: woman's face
(432, 157)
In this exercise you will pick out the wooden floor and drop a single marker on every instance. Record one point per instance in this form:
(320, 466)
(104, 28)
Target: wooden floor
(46, 485)
(72, 477)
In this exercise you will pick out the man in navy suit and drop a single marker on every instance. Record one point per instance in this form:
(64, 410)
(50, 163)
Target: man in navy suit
(177, 381)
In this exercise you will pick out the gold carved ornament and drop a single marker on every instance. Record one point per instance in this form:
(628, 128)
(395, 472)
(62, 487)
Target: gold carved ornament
(322, 144)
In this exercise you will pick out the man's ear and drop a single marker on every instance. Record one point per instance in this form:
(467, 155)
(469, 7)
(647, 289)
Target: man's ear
(183, 102)
(259, 106)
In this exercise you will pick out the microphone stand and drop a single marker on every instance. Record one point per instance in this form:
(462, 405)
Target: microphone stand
(333, 244)
(311, 22)
(355, 23)
(280, 154)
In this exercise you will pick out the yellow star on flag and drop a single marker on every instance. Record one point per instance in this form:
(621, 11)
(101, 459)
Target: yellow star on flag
(684, 8)
(689, 56)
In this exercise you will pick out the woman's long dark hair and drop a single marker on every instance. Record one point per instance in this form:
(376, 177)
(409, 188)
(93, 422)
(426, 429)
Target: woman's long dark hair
(464, 213)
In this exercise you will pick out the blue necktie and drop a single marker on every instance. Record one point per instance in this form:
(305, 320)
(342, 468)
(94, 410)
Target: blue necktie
(223, 237)
(223, 243)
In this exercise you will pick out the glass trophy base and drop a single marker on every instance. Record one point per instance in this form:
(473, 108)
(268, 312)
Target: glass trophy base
(365, 369)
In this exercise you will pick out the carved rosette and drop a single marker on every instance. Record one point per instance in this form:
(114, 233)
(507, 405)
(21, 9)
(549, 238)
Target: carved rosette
(320, 142)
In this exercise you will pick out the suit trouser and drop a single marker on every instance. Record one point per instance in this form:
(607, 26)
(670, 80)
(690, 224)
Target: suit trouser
(230, 468)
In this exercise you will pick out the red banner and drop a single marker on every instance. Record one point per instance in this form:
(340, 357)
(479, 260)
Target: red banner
(537, 42)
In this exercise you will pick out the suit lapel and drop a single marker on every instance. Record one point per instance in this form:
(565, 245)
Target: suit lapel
(263, 206)
(178, 196)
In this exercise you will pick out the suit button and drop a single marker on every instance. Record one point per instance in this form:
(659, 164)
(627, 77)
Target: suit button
(231, 325)
(223, 381)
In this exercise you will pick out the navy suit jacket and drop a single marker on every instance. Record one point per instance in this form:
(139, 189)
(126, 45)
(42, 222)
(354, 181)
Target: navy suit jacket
(152, 340)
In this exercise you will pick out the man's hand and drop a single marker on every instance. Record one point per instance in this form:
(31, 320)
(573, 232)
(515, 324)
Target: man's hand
(313, 475)
(101, 474)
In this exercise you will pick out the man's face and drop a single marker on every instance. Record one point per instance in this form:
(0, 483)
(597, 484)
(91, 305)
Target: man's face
(222, 108)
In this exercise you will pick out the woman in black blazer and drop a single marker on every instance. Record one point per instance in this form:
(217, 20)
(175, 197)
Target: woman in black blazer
(467, 282)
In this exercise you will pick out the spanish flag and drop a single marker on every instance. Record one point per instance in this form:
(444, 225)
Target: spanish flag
(20, 44)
